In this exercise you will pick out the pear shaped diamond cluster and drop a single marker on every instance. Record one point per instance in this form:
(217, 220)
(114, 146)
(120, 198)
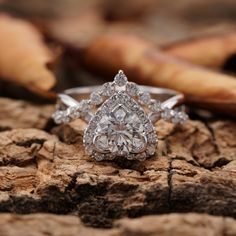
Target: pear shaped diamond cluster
(120, 120)
(120, 127)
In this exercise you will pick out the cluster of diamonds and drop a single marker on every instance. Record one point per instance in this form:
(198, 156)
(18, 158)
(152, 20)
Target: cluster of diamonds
(120, 127)
(84, 108)
(81, 110)
(121, 118)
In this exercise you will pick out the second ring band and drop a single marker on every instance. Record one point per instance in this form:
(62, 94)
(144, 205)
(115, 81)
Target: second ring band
(121, 115)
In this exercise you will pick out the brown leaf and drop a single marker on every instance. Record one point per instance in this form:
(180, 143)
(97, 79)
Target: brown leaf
(145, 64)
(211, 51)
(24, 57)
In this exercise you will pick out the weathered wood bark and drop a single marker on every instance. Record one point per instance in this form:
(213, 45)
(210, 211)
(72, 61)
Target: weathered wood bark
(171, 224)
(43, 168)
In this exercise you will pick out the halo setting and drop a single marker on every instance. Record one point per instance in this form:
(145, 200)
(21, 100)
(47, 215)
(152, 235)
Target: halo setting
(120, 118)
(120, 127)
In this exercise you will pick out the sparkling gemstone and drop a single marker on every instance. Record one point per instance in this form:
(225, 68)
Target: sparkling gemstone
(131, 157)
(155, 105)
(154, 116)
(152, 138)
(103, 127)
(179, 118)
(101, 142)
(120, 144)
(141, 156)
(148, 127)
(58, 117)
(107, 89)
(151, 149)
(144, 98)
(89, 150)
(132, 89)
(167, 114)
(73, 112)
(95, 98)
(87, 116)
(139, 143)
(84, 106)
(99, 157)
(61, 117)
(119, 114)
(88, 138)
(120, 79)
(121, 132)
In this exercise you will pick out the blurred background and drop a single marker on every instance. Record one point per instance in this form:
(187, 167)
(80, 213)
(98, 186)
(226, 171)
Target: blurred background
(161, 21)
(70, 25)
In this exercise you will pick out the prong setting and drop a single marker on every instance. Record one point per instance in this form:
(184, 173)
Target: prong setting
(121, 117)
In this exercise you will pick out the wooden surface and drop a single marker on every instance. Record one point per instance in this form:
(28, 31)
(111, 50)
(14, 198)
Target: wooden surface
(43, 168)
(174, 224)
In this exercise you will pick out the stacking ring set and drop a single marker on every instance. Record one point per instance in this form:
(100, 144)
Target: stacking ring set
(120, 116)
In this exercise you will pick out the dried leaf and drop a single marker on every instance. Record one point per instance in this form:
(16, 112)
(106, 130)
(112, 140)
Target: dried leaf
(212, 51)
(145, 64)
(24, 57)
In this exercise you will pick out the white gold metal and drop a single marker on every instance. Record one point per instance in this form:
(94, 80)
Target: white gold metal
(120, 116)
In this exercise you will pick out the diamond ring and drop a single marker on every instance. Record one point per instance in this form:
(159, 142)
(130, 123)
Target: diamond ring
(120, 116)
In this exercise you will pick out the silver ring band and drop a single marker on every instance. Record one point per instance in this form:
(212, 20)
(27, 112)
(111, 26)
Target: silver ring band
(169, 98)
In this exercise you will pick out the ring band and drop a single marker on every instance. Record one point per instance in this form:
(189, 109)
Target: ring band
(120, 116)
(170, 98)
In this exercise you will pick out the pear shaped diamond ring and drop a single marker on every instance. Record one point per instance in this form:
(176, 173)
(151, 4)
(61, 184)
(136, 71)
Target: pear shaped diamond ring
(120, 116)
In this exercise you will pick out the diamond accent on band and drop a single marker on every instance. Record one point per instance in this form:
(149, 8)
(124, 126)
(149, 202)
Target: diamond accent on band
(108, 89)
(132, 89)
(179, 117)
(84, 106)
(60, 117)
(120, 79)
(95, 98)
(155, 106)
(144, 98)
(73, 112)
(120, 130)
(167, 114)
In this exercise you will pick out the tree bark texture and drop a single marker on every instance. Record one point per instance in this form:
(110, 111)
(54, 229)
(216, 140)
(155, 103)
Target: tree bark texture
(43, 169)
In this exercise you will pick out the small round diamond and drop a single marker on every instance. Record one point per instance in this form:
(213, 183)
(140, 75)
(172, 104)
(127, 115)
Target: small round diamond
(167, 114)
(61, 117)
(141, 156)
(139, 143)
(109, 157)
(99, 157)
(155, 105)
(144, 98)
(151, 149)
(84, 106)
(107, 89)
(58, 117)
(132, 89)
(120, 79)
(73, 112)
(89, 150)
(179, 118)
(154, 116)
(95, 98)
(148, 127)
(152, 138)
(101, 142)
(131, 157)
(87, 116)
